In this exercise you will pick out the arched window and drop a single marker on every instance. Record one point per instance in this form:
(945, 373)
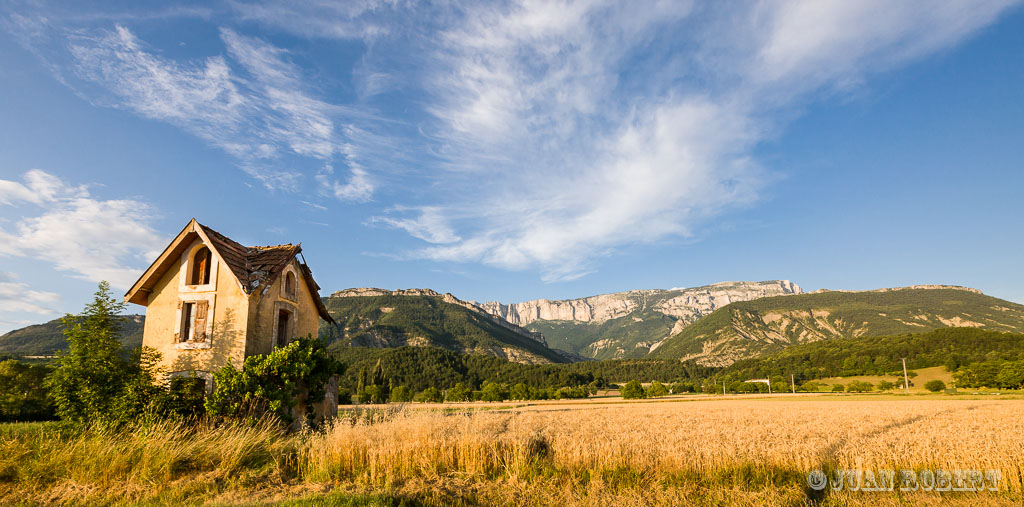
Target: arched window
(199, 271)
(289, 284)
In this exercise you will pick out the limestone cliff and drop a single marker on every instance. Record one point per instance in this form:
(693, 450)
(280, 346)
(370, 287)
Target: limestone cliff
(632, 323)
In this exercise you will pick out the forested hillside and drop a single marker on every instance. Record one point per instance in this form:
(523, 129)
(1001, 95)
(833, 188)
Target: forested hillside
(954, 348)
(388, 321)
(764, 326)
(47, 339)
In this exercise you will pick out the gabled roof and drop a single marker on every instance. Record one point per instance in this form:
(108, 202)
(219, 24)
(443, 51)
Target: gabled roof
(253, 267)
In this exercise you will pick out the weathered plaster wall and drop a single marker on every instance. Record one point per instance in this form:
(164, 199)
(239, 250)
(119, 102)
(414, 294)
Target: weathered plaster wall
(266, 305)
(227, 340)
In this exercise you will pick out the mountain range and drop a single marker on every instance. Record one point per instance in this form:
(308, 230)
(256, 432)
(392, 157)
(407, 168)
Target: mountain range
(629, 324)
(713, 325)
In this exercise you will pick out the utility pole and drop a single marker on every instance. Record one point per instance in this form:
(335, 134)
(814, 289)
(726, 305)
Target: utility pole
(769, 385)
(792, 382)
(906, 381)
(723, 388)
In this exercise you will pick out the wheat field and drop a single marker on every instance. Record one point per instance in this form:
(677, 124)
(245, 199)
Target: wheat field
(746, 452)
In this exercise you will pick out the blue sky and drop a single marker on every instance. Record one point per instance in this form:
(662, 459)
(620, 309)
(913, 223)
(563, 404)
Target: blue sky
(516, 150)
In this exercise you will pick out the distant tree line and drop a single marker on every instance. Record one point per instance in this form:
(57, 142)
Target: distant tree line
(419, 368)
(880, 355)
(378, 385)
(999, 374)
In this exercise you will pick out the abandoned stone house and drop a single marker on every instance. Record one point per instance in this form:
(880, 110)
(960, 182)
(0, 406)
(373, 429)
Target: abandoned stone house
(211, 301)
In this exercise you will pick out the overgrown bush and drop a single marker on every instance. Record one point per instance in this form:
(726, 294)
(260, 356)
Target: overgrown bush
(935, 385)
(656, 390)
(458, 393)
(23, 396)
(633, 391)
(431, 395)
(858, 386)
(275, 382)
(401, 394)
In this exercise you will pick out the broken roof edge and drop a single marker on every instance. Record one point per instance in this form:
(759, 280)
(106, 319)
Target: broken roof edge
(138, 293)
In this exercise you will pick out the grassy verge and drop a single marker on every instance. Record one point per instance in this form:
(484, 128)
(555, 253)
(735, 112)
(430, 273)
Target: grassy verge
(747, 452)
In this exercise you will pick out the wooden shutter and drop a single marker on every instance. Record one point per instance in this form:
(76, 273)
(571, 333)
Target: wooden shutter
(199, 332)
(204, 265)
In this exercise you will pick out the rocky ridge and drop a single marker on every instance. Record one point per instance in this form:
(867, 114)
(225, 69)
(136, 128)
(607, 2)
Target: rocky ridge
(688, 303)
(631, 323)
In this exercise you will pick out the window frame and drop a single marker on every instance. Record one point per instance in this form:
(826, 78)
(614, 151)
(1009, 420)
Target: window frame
(186, 267)
(191, 299)
(293, 320)
(293, 294)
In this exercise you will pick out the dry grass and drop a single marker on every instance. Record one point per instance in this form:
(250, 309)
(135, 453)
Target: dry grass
(753, 452)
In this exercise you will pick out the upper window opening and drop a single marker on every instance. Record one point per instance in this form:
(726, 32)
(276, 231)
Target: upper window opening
(201, 262)
(289, 284)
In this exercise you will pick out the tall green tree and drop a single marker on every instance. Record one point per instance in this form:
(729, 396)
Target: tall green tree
(93, 381)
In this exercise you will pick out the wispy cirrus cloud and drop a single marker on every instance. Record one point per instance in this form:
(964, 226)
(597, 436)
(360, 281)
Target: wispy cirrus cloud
(250, 101)
(573, 128)
(92, 239)
(529, 134)
(319, 19)
(18, 297)
(430, 225)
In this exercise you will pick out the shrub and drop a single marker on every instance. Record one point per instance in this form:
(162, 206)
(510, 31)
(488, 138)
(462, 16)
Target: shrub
(458, 393)
(492, 391)
(632, 391)
(23, 395)
(858, 386)
(275, 382)
(185, 397)
(885, 385)
(344, 396)
(519, 392)
(401, 394)
(431, 395)
(838, 388)
(935, 385)
(656, 390)
(683, 387)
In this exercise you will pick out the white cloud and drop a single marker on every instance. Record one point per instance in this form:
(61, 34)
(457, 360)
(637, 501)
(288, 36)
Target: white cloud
(18, 297)
(430, 225)
(90, 238)
(327, 19)
(556, 131)
(39, 187)
(575, 144)
(807, 44)
(260, 116)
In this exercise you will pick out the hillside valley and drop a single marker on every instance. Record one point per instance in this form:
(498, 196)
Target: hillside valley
(369, 317)
(750, 329)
